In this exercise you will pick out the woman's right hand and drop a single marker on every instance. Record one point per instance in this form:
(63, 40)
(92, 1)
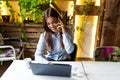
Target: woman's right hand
(61, 26)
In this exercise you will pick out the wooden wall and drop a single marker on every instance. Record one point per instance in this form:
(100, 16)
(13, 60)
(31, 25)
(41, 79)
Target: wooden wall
(33, 32)
(111, 24)
(110, 33)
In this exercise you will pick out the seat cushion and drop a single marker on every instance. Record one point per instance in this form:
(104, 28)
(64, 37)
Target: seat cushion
(8, 52)
(103, 53)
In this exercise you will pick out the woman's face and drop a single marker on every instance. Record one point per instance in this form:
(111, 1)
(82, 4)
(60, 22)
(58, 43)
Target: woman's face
(52, 24)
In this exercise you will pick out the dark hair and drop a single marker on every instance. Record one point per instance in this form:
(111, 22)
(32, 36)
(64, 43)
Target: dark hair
(50, 12)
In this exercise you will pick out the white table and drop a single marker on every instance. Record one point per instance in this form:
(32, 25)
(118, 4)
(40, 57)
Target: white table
(88, 70)
(19, 70)
(102, 70)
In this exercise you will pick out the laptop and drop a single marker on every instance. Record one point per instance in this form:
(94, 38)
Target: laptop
(62, 70)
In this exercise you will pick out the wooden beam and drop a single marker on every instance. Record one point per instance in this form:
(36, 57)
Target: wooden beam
(93, 10)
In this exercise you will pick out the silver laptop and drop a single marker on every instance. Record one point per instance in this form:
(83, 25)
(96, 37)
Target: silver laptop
(63, 70)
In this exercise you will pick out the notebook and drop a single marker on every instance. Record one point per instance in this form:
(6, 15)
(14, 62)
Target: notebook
(62, 70)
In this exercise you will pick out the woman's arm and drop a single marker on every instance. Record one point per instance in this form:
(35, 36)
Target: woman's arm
(40, 50)
(67, 37)
(67, 41)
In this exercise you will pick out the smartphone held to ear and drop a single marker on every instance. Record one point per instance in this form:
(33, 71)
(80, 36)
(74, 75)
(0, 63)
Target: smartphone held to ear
(59, 29)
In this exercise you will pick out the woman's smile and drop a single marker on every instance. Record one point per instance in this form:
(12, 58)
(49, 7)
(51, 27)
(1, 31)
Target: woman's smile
(52, 23)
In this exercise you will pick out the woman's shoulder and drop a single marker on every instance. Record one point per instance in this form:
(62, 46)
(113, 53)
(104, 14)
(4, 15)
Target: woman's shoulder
(43, 34)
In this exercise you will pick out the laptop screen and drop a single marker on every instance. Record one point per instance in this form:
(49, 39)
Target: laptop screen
(63, 70)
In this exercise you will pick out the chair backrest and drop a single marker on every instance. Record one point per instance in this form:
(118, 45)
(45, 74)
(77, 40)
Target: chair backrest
(9, 51)
(1, 40)
(73, 54)
(107, 53)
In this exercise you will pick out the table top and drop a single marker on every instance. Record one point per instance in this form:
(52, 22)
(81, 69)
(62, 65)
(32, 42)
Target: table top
(19, 70)
(87, 70)
(102, 70)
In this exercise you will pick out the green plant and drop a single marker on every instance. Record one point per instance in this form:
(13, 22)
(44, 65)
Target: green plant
(9, 6)
(85, 10)
(117, 51)
(11, 10)
(85, 26)
(21, 28)
(115, 56)
(33, 9)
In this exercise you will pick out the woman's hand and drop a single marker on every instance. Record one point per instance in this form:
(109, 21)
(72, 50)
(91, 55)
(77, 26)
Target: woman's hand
(61, 26)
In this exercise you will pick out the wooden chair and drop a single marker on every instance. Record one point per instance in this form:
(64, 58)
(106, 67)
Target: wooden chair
(10, 52)
(107, 53)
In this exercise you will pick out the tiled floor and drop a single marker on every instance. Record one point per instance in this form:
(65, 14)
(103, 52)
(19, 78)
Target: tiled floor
(4, 66)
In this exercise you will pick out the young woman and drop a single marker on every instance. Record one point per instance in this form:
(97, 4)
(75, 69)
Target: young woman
(57, 39)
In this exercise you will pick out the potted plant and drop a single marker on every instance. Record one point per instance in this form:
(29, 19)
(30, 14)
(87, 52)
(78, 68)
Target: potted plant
(32, 10)
(6, 18)
(11, 11)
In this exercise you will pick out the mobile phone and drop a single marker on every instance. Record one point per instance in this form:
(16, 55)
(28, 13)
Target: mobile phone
(59, 29)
